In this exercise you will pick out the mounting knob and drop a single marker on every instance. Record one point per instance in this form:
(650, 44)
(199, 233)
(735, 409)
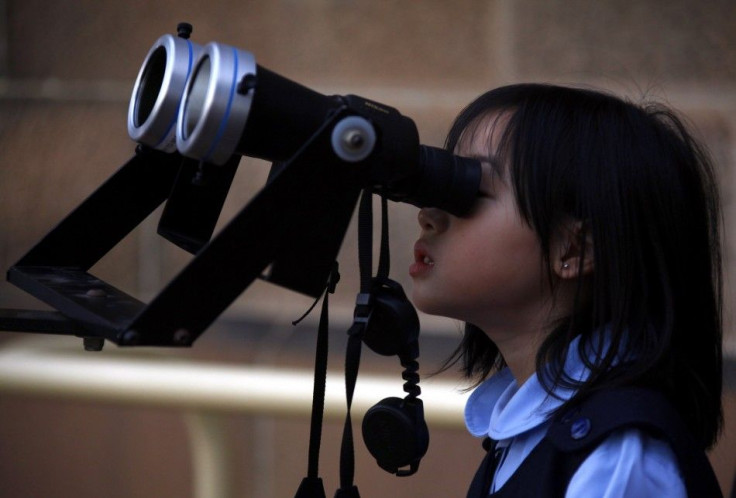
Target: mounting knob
(353, 139)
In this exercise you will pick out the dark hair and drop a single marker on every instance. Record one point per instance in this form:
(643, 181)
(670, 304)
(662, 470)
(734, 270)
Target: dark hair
(646, 193)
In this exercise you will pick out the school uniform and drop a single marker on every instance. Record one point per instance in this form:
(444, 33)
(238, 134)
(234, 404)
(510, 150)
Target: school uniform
(629, 462)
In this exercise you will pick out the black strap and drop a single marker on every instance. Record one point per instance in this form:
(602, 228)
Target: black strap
(384, 259)
(363, 308)
(365, 242)
(311, 486)
(355, 340)
(347, 454)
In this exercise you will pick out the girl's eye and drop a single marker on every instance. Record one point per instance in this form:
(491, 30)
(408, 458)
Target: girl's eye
(485, 194)
(481, 199)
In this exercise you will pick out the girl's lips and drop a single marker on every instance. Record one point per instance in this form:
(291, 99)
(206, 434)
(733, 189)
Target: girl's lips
(422, 261)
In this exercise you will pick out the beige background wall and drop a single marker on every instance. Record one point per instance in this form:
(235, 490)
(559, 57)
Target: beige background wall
(66, 73)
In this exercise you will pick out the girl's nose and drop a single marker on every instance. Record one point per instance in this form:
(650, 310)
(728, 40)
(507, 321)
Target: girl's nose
(433, 220)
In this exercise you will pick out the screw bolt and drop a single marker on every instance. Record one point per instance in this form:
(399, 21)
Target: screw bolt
(182, 337)
(353, 139)
(96, 293)
(93, 343)
(246, 84)
(184, 30)
(130, 338)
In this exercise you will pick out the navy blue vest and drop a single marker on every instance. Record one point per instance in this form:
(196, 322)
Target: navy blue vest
(574, 435)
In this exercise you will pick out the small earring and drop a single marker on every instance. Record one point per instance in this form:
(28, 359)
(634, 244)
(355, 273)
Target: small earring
(565, 266)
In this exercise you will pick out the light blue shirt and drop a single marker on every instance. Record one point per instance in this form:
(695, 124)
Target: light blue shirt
(629, 463)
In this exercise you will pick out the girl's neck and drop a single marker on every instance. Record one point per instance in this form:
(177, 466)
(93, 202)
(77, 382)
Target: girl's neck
(518, 340)
(519, 352)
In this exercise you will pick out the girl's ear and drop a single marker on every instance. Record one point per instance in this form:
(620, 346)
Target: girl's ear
(572, 251)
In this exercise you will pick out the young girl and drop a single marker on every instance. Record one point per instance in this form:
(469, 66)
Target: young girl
(589, 264)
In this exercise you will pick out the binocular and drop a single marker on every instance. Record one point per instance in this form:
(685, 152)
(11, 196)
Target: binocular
(214, 101)
(195, 111)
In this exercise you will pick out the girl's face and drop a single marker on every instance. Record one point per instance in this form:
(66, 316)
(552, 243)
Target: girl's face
(485, 268)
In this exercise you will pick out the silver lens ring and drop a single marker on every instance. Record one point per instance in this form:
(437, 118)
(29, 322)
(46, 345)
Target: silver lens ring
(213, 114)
(157, 92)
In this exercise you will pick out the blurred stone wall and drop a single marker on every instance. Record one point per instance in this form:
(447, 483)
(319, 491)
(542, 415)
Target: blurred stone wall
(66, 73)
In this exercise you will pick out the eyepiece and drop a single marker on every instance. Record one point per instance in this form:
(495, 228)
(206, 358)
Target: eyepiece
(213, 113)
(441, 180)
(157, 92)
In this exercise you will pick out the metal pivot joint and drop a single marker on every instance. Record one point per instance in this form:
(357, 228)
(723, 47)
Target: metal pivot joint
(353, 139)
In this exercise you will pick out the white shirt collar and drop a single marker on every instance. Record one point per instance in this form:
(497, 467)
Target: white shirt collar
(500, 409)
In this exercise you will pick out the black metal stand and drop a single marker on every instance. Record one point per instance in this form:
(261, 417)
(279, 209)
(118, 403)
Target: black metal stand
(292, 229)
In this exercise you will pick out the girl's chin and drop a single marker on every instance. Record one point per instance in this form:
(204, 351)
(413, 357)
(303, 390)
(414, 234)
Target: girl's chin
(428, 304)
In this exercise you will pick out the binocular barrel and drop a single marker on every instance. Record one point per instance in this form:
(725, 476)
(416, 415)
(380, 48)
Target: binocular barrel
(214, 101)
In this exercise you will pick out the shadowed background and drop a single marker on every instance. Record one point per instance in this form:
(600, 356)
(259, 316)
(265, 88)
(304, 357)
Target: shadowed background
(66, 74)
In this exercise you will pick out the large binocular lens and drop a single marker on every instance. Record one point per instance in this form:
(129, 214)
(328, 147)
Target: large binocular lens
(157, 92)
(213, 113)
